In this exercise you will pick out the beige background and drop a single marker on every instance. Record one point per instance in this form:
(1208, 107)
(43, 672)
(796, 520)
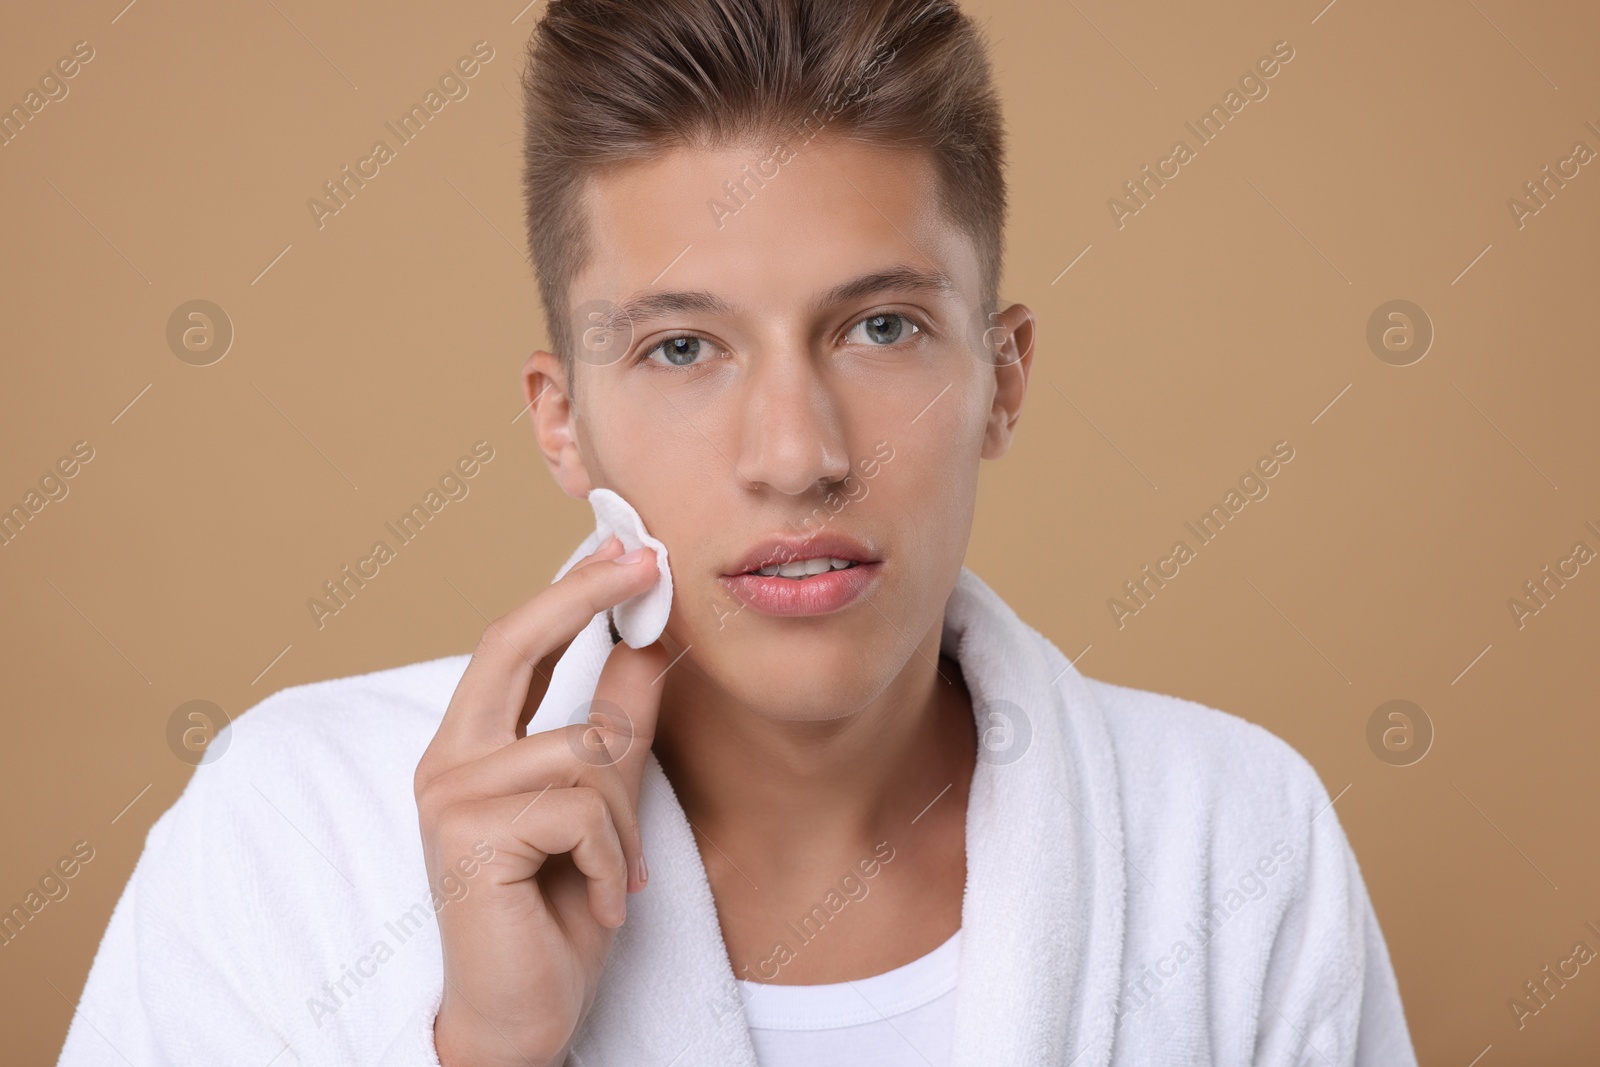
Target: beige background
(1227, 315)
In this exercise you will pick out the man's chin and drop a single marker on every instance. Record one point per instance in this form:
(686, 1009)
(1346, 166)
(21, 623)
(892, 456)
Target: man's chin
(798, 673)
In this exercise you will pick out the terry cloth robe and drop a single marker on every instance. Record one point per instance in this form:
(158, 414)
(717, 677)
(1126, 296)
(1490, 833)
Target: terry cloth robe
(1149, 881)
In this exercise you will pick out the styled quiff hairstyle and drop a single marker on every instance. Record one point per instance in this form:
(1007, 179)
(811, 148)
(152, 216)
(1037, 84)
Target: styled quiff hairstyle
(612, 81)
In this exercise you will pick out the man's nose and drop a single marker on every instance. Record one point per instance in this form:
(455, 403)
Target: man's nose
(791, 430)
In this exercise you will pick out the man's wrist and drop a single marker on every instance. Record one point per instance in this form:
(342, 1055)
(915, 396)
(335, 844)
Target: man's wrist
(460, 1044)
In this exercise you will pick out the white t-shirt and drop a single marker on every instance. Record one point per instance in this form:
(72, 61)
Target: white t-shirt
(901, 1017)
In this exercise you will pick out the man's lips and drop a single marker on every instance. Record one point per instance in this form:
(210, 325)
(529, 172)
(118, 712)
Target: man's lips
(814, 593)
(785, 548)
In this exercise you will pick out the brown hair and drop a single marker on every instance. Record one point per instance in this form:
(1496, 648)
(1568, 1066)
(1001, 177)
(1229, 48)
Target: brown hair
(609, 81)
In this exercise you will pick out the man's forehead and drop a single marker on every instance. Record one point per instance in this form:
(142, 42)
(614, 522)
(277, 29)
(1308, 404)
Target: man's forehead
(749, 169)
(695, 223)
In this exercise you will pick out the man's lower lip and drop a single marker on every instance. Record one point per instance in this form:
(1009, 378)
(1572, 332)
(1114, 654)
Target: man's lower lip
(818, 594)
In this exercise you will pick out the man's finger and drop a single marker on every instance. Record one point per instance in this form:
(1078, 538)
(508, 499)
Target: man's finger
(567, 757)
(627, 701)
(538, 686)
(492, 695)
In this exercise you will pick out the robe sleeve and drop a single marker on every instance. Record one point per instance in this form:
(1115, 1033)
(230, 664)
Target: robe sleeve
(1329, 996)
(166, 984)
(195, 966)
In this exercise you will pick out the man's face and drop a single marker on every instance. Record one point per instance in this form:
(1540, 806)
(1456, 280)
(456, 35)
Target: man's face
(774, 404)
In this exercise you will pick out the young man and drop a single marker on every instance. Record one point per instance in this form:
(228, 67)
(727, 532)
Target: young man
(855, 811)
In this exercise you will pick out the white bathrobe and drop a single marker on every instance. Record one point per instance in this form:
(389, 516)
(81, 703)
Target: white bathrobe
(1149, 881)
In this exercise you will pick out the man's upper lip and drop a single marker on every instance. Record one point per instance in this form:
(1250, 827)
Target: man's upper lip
(788, 548)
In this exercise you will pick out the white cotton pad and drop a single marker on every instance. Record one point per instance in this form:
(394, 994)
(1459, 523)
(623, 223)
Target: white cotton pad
(641, 619)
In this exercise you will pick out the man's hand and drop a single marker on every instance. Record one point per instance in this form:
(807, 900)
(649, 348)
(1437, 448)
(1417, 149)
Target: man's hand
(523, 951)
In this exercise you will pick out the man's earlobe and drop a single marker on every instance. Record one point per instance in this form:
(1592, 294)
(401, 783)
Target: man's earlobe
(1013, 365)
(544, 384)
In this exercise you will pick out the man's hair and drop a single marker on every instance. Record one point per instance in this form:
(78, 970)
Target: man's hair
(613, 81)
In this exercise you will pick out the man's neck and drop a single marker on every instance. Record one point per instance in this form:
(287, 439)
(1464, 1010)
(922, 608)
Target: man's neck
(770, 788)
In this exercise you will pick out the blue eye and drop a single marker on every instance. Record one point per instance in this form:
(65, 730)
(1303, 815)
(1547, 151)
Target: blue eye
(679, 351)
(885, 329)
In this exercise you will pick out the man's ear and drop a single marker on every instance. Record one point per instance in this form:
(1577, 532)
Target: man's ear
(1013, 363)
(544, 383)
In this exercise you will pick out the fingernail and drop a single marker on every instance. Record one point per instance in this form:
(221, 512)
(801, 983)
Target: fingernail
(630, 557)
(644, 872)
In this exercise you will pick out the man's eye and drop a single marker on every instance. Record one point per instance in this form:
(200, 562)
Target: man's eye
(677, 351)
(883, 329)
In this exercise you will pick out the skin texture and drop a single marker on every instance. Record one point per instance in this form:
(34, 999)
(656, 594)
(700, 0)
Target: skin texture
(798, 745)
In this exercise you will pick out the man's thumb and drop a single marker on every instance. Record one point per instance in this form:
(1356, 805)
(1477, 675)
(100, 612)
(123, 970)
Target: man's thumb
(627, 701)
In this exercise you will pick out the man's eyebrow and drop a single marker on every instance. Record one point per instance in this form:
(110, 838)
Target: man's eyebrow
(647, 306)
(899, 276)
